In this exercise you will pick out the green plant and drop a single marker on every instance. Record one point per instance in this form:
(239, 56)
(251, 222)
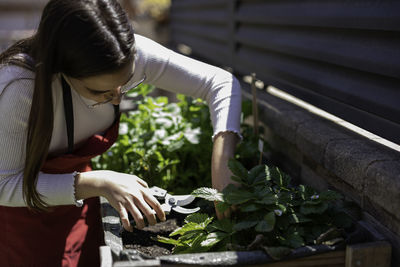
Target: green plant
(271, 214)
(160, 142)
(169, 144)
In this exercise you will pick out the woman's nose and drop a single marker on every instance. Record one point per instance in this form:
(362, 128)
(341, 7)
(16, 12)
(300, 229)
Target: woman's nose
(117, 96)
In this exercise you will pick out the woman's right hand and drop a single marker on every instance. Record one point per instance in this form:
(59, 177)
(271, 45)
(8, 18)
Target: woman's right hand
(125, 192)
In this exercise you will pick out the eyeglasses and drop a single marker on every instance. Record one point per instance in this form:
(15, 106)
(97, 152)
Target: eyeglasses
(123, 91)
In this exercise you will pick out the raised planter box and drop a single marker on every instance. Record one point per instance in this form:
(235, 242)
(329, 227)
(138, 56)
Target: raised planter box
(364, 248)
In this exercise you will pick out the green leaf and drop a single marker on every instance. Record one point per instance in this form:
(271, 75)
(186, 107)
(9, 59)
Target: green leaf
(192, 245)
(213, 238)
(196, 245)
(280, 178)
(238, 196)
(281, 207)
(187, 228)
(261, 191)
(238, 169)
(244, 225)
(222, 206)
(197, 218)
(285, 197)
(268, 199)
(224, 225)
(171, 241)
(176, 145)
(268, 224)
(249, 207)
(238, 179)
(268, 175)
(189, 236)
(298, 218)
(257, 175)
(294, 240)
(306, 192)
(209, 194)
(277, 253)
(313, 207)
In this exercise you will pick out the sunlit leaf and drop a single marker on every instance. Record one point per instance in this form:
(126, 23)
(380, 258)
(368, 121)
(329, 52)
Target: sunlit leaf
(209, 194)
(187, 228)
(167, 240)
(197, 218)
(213, 238)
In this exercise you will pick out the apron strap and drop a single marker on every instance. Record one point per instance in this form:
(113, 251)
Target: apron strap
(69, 114)
(116, 112)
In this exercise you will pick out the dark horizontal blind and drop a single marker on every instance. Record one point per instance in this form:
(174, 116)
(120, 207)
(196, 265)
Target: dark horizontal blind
(341, 56)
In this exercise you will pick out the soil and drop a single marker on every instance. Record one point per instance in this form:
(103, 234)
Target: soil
(142, 240)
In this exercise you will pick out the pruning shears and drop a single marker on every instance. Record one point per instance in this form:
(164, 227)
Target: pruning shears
(173, 202)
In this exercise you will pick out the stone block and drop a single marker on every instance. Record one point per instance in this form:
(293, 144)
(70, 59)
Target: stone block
(382, 185)
(350, 158)
(284, 123)
(313, 136)
(387, 219)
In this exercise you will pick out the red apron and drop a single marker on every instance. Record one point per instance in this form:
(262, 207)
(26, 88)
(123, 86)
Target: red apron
(65, 236)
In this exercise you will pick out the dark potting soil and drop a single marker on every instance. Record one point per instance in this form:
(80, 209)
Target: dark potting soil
(142, 240)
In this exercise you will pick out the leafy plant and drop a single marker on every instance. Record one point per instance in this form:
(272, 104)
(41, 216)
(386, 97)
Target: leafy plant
(160, 142)
(271, 214)
(199, 234)
(168, 144)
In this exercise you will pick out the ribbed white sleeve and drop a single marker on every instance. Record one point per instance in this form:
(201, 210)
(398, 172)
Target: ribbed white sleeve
(177, 73)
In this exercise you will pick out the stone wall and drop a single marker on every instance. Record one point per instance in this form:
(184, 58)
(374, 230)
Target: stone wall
(321, 153)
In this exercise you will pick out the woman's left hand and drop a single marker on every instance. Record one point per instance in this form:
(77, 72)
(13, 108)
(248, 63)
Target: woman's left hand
(223, 150)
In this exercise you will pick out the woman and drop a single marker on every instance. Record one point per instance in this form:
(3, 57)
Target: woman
(59, 96)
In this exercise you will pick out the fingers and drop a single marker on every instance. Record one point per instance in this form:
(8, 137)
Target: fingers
(146, 210)
(135, 198)
(142, 182)
(124, 218)
(153, 202)
(137, 216)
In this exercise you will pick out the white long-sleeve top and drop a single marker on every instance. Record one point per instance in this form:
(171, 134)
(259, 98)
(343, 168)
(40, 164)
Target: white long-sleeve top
(163, 68)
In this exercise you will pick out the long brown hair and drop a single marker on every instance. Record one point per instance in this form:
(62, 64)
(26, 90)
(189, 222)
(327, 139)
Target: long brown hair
(80, 38)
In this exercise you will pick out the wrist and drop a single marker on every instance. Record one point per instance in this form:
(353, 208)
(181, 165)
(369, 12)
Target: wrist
(89, 184)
